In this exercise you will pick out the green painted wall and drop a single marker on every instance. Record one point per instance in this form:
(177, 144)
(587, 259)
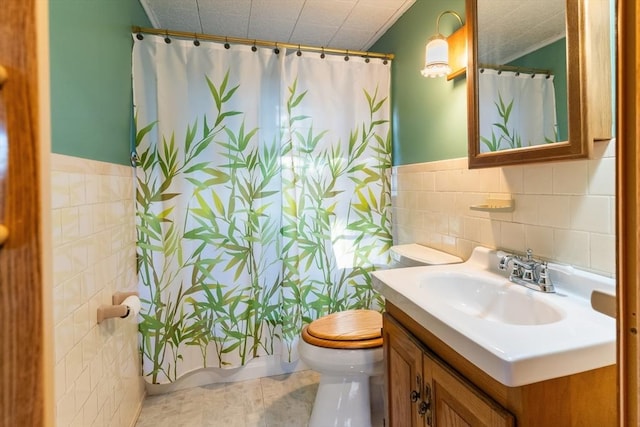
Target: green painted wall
(90, 49)
(552, 57)
(429, 115)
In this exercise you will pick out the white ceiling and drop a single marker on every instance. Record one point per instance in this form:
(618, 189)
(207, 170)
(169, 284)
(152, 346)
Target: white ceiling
(511, 28)
(343, 24)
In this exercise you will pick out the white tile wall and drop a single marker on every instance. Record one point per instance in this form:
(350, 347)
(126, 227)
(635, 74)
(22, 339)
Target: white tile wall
(97, 372)
(564, 211)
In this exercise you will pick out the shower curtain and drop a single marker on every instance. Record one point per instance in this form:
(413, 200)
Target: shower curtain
(516, 110)
(262, 199)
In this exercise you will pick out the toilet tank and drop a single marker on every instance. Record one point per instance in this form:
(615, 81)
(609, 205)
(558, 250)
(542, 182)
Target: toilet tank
(415, 255)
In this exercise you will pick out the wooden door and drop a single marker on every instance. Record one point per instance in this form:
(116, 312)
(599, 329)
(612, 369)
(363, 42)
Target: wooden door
(457, 403)
(22, 364)
(403, 376)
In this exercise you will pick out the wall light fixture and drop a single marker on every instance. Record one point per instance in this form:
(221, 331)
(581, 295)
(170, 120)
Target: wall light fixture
(436, 58)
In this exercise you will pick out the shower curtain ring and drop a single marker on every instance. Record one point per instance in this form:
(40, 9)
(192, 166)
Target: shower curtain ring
(322, 55)
(226, 43)
(254, 48)
(167, 40)
(134, 159)
(276, 50)
(298, 52)
(366, 58)
(196, 42)
(346, 57)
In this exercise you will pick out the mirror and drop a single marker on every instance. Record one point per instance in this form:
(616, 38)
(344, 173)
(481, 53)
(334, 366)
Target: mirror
(528, 97)
(522, 79)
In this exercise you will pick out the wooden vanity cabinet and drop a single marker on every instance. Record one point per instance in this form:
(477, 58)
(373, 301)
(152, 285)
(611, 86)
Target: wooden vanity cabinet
(458, 403)
(403, 376)
(429, 384)
(423, 391)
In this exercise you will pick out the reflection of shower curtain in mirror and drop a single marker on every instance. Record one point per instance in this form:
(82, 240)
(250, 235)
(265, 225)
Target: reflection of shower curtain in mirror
(516, 110)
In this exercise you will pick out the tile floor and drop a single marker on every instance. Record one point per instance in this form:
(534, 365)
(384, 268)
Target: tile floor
(279, 401)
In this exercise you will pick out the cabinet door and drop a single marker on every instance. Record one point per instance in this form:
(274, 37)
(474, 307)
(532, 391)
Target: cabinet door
(403, 376)
(457, 403)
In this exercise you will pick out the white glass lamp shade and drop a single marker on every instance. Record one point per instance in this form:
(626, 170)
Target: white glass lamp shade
(436, 57)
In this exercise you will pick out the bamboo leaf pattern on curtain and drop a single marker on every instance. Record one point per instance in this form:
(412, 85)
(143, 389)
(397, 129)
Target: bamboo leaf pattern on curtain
(250, 222)
(327, 258)
(516, 110)
(235, 316)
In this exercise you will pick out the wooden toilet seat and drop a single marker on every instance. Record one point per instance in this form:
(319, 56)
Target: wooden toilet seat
(351, 329)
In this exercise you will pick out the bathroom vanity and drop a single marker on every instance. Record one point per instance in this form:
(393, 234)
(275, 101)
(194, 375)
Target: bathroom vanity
(425, 390)
(430, 384)
(495, 353)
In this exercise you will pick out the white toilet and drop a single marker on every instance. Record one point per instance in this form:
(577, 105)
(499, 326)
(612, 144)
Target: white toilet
(346, 349)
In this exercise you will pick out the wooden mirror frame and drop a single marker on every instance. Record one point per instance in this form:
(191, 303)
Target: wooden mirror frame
(588, 100)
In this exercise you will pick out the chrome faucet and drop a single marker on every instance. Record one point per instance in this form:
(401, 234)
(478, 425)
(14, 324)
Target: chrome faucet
(527, 271)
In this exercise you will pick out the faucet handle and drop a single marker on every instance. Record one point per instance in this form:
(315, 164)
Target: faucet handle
(515, 270)
(544, 280)
(543, 269)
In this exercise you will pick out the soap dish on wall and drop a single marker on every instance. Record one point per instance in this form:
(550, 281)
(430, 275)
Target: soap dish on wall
(496, 205)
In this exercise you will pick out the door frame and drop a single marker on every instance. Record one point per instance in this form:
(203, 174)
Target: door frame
(27, 362)
(628, 208)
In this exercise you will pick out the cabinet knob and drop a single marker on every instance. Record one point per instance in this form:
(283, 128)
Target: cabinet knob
(423, 408)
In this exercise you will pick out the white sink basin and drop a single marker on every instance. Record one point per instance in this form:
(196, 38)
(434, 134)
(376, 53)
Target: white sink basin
(494, 299)
(517, 335)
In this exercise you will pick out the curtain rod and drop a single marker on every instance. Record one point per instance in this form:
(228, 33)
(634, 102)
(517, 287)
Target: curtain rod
(525, 70)
(257, 42)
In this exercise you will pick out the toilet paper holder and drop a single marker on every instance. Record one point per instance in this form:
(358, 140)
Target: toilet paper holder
(117, 309)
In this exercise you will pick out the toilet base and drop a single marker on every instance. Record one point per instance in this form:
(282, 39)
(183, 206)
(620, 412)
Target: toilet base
(342, 401)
